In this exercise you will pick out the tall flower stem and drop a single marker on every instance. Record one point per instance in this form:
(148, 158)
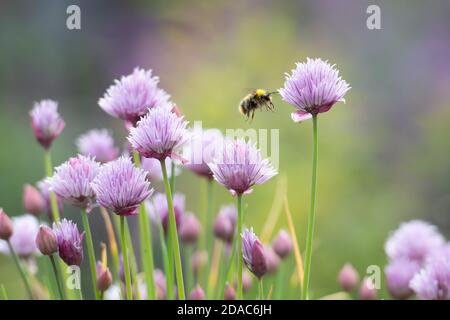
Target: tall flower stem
(90, 249)
(240, 294)
(49, 173)
(126, 266)
(146, 243)
(312, 213)
(206, 217)
(21, 270)
(175, 245)
(58, 277)
(261, 289)
(167, 269)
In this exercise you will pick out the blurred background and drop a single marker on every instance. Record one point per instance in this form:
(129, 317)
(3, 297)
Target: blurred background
(384, 155)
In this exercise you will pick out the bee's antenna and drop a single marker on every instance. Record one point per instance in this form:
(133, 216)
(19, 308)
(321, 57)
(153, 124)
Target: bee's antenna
(273, 92)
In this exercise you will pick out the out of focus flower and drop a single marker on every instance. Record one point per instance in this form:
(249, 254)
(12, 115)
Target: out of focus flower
(253, 253)
(70, 242)
(25, 229)
(154, 171)
(202, 149)
(46, 122)
(46, 241)
(433, 281)
(313, 87)
(189, 229)
(159, 134)
(367, 291)
(398, 276)
(413, 240)
(225, 223)
(72, 180)
(272, 259)
(130, 97)
(6, 226)
(197, 293)
(98, 144)
(282, 244)
(44, 188)
(161, 285)
(199, 260)
(348, 277)
(33, 201)
(121, 187)
(229, 292)
(240, 166)
(246, 281)
(104, 277)
(113, 292)
(158, 211)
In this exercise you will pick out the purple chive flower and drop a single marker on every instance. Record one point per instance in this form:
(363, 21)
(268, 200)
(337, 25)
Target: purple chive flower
(367, 291)
(313, 87)
(158, 211)
(72, 180)
(70, 242)
(229, 293)
(121, 187)
(25, 228)
(398, 276)
(104, 277)
(130, 97)
(46, 241)
(240, 166)
(159, 134)
(413, 240)
(44, 188)
(282, 244)
(98, 144)
(253, 253)
(348, 277)
(433, 281)
(6, 226)
(272, 259)
(197, 293)
(46, 122)
(33, 202)
(189, 229)
(203, 147)
(154, 171)
(225, 223)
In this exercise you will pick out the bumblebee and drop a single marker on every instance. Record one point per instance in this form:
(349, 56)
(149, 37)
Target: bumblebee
(257, 99)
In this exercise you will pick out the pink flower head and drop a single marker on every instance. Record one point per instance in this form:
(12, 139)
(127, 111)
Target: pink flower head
(203, 147)
(26, 228)
(130, 97)
(70, 242)
(282, 244)
(413, 240)
(313, 87)
(46, 122)
(159, 134)
(398, 276)
(240, 166)
(158, 211)
(72, 180)
(225, 223)
(253, 253)
(121, 187)
(433, 281)
(99, 144)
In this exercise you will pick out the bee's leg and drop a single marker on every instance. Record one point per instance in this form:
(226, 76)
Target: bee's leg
(253, 114)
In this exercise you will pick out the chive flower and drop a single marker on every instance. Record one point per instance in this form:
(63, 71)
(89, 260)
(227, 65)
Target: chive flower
(70, 242)
(46, 122)
(253, 253)
(98, 143)
(25, 229)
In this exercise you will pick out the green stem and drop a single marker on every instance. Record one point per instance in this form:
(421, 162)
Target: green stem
(172, 176)
(57, 277)
(173, 234)
(132, 264)
(189, 273)
(90, 249)
(146, 243)
(261, 289)
(3, 292)
(240, 293)
(168, 270)
(279, 282)
(126, 267)
(229, 270)
(312, 213)
(21, 271)
(49, 173)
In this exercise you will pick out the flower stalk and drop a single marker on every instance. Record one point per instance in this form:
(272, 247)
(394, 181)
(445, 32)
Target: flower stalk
(57, 277)
(22, 272)
(240, 294)
(90, 249)
(126, 266)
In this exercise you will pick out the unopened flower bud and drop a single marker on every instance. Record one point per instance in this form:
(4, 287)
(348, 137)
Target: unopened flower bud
(246, 281)
(197, 293)
(198, 260)
(348, 277)
(272, 259)
(282, 245)
(104, 277)
(189, 229)
(367, 290)
(229, 292)
(225, 223)
(33, 202)
(6, 226)
(46, 241)
(253, 253)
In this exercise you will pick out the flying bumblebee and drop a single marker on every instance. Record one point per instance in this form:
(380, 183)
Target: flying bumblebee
(257, 99)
